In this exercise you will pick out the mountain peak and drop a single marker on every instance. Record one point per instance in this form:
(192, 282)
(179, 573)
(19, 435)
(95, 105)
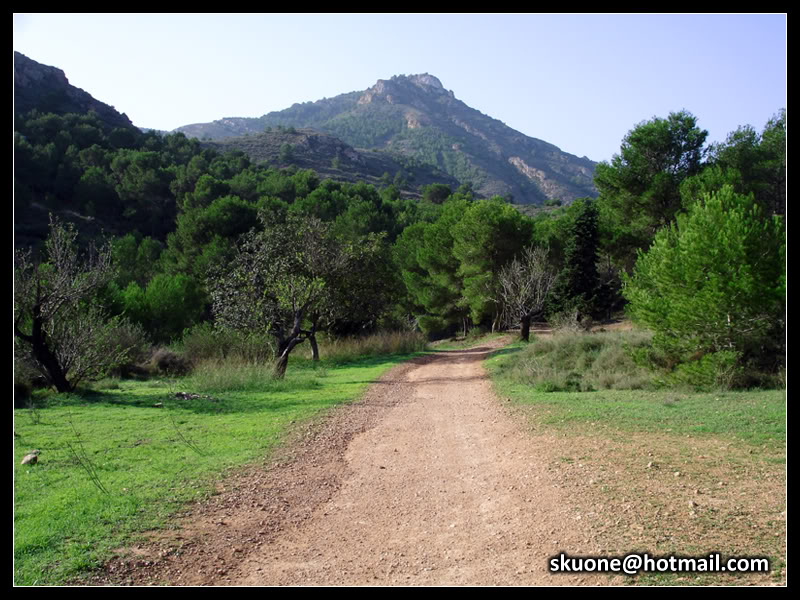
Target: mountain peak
(396, 89)
(413, 118)
(426, 80)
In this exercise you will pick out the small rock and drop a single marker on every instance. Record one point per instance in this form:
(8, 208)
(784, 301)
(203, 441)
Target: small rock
(31, 459)
(677, 473)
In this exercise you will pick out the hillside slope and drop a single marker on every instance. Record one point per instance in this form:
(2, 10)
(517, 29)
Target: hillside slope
(331, 158)
(47, 89)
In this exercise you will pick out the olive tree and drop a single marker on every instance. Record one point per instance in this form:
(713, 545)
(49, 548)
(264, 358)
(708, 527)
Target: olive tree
(279, 277)
(57, 327)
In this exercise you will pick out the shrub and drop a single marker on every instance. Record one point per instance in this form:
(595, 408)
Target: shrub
(131, 338)
(718, 370)
(569, 322)
(583, 362)
(168, 362)
(168, 305)
(714, 282)
(378, 344)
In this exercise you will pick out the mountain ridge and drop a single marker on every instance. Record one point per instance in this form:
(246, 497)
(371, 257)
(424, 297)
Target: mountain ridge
(47, 89)
(416, 117)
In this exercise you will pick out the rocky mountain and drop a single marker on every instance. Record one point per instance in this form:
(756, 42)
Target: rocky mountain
(45, 88)
(415, 118)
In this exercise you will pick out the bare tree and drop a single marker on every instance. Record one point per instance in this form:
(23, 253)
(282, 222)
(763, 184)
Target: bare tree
(524, 285)
(55, 325)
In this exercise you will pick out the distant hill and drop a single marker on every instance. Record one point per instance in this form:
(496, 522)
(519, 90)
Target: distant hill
(331, 158)
(46, 89)
(415, 118)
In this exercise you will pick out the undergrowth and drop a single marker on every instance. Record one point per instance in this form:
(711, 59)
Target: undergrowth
(574, 361)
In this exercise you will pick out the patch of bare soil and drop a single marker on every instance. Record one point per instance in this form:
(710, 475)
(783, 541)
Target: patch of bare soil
(432, 480)
(673, 495)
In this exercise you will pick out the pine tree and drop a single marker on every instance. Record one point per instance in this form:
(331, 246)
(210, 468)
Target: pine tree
(577, 285)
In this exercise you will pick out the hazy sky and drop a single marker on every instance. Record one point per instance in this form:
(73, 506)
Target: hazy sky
(580, 82)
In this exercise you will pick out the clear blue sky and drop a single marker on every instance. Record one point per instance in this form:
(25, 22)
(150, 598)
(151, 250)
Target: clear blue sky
(580, 82)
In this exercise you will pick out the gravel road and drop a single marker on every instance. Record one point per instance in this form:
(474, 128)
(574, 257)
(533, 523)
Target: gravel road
(429, 480)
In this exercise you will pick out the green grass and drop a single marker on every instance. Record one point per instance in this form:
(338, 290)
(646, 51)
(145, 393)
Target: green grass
(757, 417)
(474, 337)
(112, 463)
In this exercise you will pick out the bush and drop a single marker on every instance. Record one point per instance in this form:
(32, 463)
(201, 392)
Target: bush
(168, 362)
(568, 322)
(583, 362)
(718, 370)
(378, 344)
(25, 378)
(167, 306)
(131, 338)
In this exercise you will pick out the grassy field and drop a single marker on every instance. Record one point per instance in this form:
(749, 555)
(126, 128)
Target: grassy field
(123, 456)
(668, 471)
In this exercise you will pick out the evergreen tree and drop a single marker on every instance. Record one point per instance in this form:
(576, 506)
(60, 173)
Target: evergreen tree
(487, 237)
(714, 282)
(577, 286)
(640, 187)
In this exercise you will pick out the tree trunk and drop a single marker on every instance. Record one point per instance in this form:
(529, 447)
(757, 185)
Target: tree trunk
(496, 322)
(525, 328)
(280, 365)
(312, 338)
(45, 357)
(284, 349)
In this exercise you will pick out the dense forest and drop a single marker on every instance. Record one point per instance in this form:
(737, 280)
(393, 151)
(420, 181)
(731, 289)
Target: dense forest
(127, 240)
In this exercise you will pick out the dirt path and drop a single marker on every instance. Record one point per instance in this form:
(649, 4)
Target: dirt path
(428, 481)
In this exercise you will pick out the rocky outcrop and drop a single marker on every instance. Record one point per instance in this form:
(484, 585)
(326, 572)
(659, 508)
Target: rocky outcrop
(46, 89)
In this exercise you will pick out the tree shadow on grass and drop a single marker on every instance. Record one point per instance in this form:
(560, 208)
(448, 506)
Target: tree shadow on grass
(304, 386)
(502, 351)
(225, 403)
